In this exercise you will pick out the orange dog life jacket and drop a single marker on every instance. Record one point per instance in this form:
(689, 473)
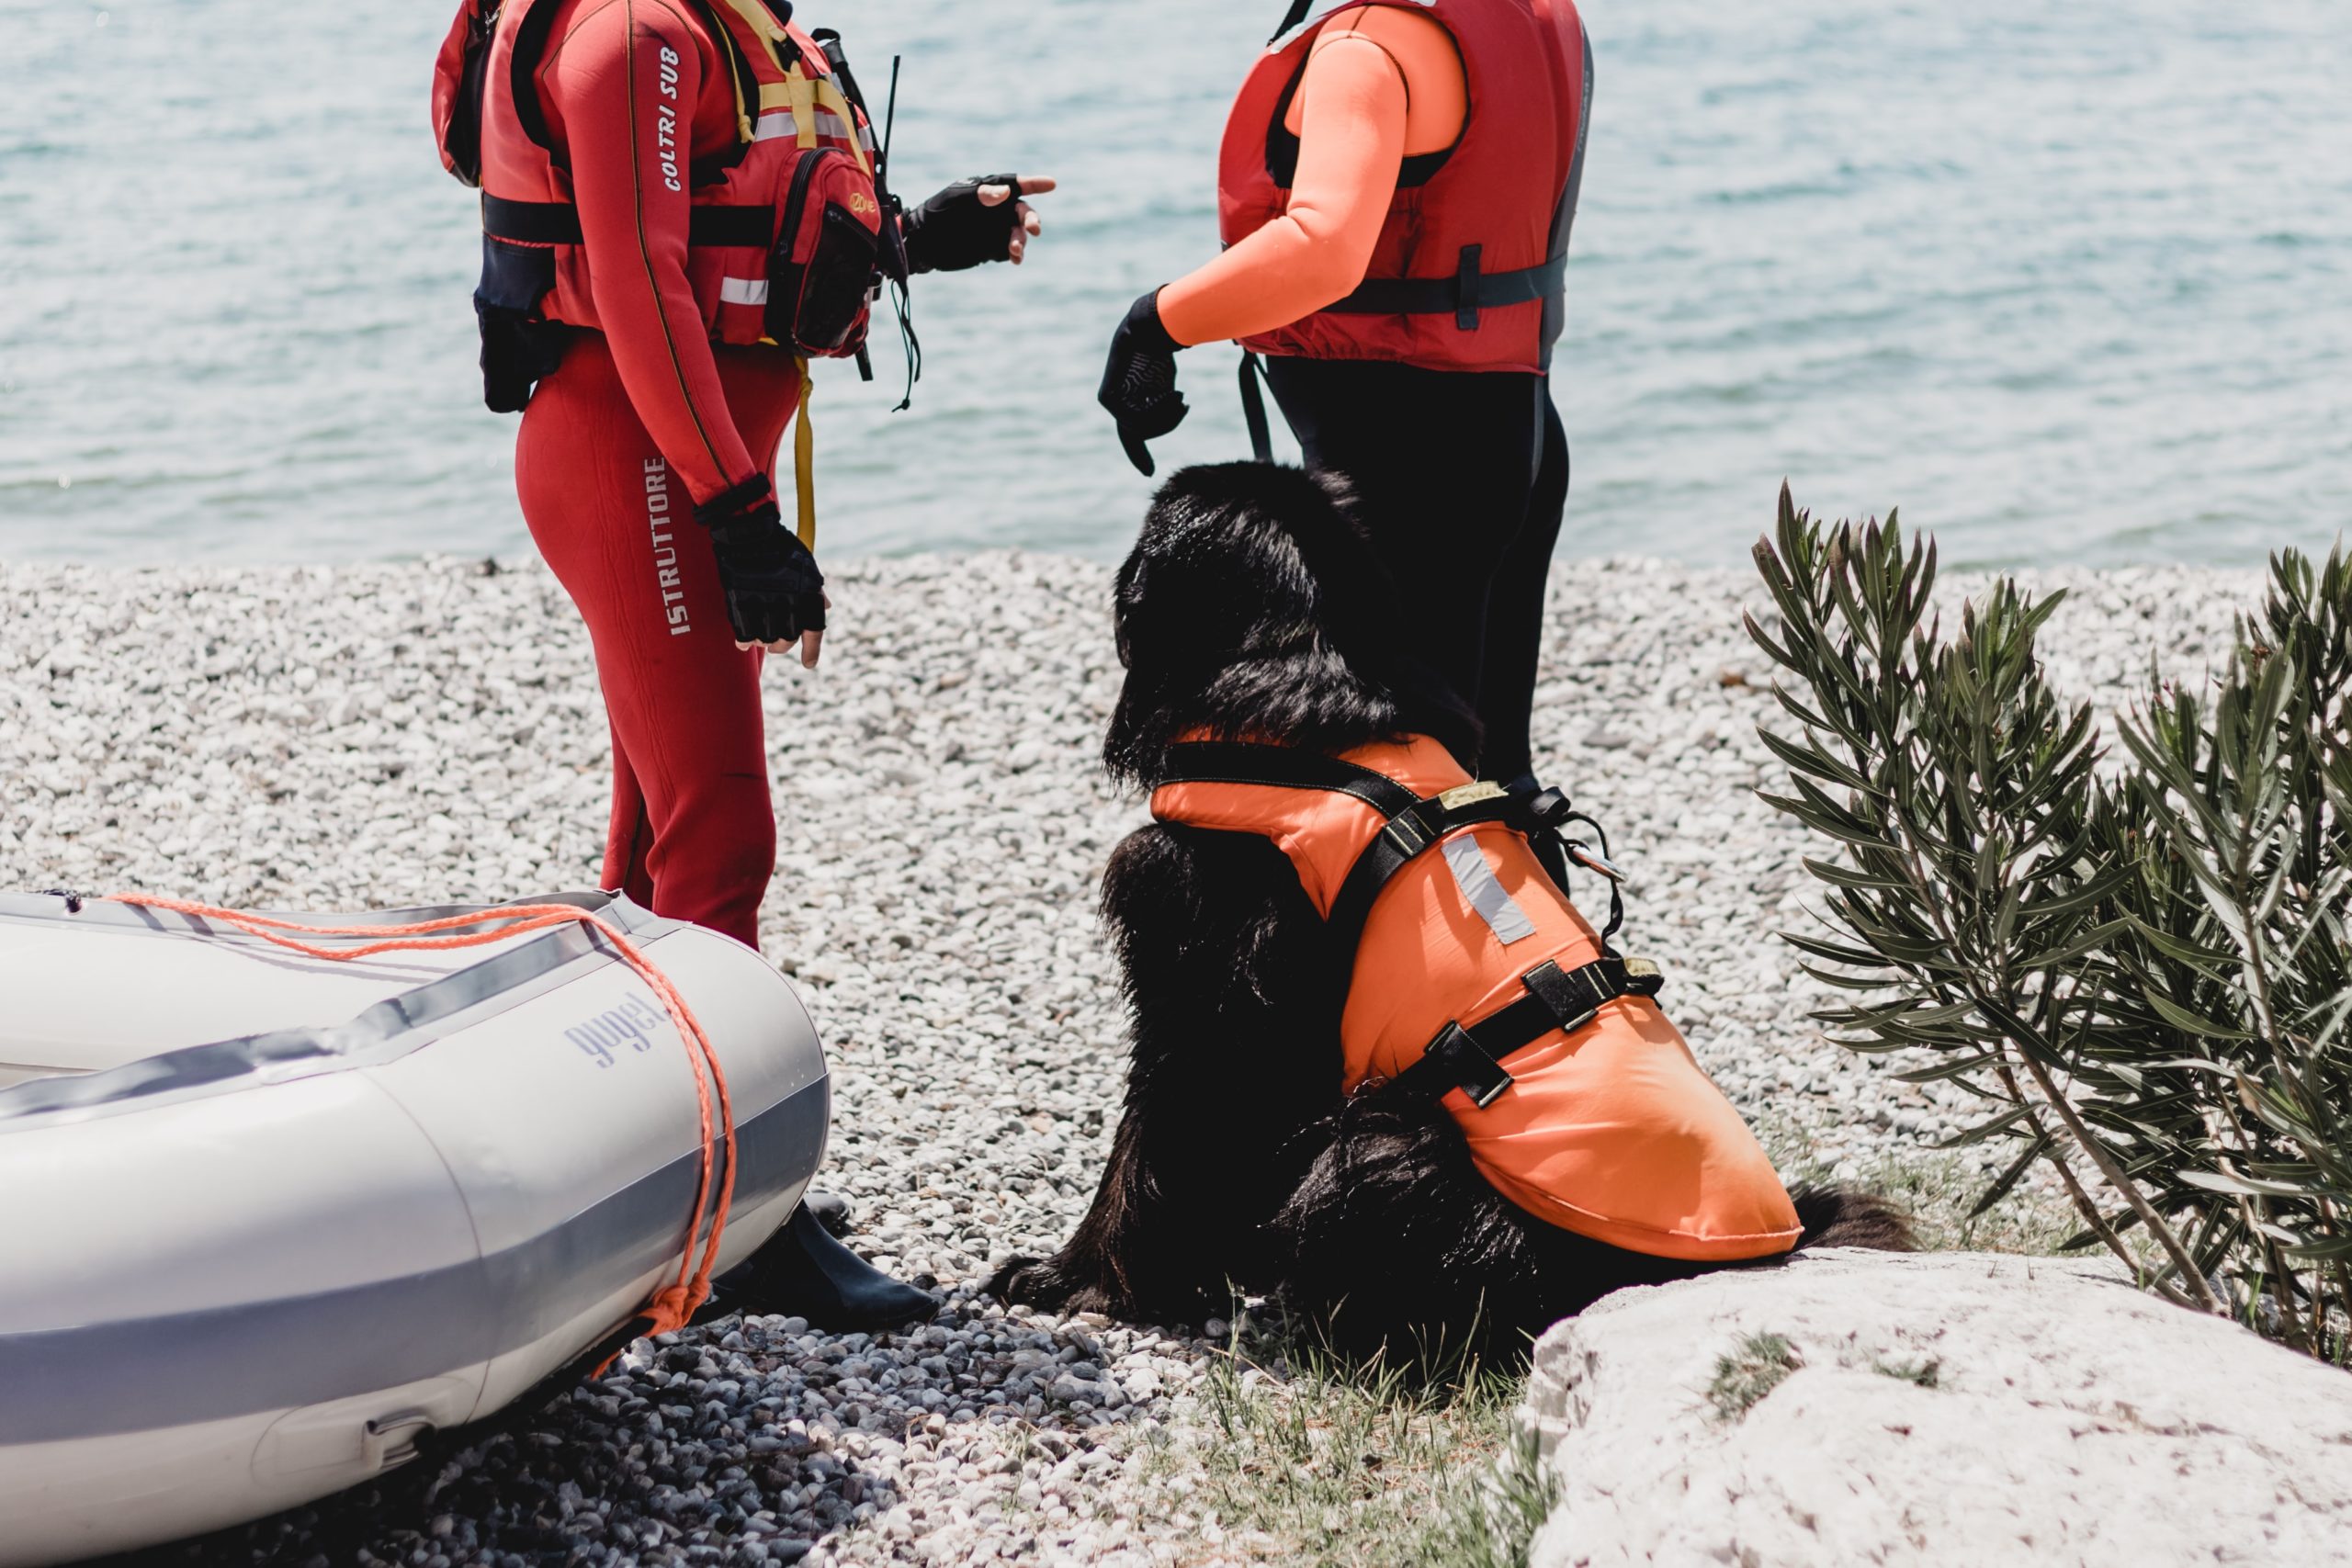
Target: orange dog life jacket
(1475, 978)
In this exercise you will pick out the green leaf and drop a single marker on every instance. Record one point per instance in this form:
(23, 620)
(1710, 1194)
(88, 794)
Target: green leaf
(2085, 941)
(1951, 1069)
(2189, 1022)
(2104, 882)
(1837, 824)
(1772, 650)
(1875, 981)
(1834, 952)
(2034, 1149)
(1811, 760)
(1844, 876)
(2216, 1181)
(1983, 1130)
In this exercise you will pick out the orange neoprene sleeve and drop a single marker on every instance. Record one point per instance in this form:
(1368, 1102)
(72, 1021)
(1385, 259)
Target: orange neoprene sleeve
(1354, 124)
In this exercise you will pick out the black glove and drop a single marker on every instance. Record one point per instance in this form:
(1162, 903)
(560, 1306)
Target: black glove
(774, 590)
(955, 230)
(1139, 382)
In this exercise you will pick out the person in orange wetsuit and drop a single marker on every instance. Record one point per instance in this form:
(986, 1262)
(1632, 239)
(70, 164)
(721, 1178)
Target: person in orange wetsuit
(1396, 186)
(647, 457)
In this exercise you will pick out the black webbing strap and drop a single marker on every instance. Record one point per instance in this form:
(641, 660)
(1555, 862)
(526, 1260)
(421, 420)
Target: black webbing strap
(557, 223)
(1405, 836)
(1413, 822)
(1292, 18)
(1461, 295)
(1253, 408)
(1470, 1059)
(1285, 767)
(531, 35)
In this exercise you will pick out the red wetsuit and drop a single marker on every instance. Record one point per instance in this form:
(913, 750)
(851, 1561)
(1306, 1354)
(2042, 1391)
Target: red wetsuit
(641, 421)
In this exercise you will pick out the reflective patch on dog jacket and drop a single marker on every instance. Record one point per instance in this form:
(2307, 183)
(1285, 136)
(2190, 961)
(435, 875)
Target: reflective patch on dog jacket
(1612, 1130)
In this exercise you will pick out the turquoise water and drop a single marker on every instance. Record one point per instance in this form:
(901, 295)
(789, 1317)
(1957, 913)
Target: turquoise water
(2062, 282)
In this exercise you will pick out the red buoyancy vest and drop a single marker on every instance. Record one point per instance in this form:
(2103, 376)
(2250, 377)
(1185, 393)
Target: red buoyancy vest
(787, 104)
(1468, 269)
(1610, 1130)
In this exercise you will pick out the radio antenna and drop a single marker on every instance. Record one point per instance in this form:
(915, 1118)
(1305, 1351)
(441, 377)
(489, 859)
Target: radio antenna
(890, 111)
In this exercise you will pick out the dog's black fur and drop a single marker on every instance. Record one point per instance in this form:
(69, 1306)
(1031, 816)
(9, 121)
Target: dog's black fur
(1251, 606)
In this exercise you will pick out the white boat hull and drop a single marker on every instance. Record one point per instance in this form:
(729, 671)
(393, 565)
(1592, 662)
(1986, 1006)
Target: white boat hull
(243, 1266)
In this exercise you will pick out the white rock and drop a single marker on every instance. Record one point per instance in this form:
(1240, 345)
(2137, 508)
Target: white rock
(2072, 1419)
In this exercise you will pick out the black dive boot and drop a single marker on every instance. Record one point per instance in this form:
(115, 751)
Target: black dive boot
(804, 1272)
(830, 1210)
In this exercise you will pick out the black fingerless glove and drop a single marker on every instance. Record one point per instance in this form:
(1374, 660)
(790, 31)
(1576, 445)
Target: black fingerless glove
(954, 230)
(774, 590)
(1139, 382)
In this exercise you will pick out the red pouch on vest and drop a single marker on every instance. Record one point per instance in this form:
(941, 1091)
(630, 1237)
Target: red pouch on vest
(821, 271)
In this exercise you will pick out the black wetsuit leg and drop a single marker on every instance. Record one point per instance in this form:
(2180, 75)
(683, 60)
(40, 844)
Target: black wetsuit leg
(1461, 478)
(1515, 612)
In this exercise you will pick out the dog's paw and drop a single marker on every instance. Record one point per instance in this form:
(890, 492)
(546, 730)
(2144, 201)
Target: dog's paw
(1029, 1281)
(1007, 1278)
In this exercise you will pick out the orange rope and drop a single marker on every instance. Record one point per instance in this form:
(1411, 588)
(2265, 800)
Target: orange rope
(674, 1303)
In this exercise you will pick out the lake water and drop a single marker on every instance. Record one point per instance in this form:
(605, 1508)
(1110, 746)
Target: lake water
(2064, 282)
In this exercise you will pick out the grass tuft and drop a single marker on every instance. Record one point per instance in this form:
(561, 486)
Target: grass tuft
(1296, 1455)
(1926, 1373)
(1492, 1523)
(1743, 1378)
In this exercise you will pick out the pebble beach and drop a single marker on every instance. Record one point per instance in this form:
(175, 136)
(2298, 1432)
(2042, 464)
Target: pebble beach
(427, 733)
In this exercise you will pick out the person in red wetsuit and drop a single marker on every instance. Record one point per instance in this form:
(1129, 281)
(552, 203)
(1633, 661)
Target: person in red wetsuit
(1396, 186)
(646, 463)
(622, 147)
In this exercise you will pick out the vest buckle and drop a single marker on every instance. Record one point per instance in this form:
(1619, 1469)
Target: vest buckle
(1473, 1072)
(1574, 996)
(1466, 285)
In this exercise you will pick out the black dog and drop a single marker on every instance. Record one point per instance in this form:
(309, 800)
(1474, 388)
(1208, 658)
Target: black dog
(1252, 606)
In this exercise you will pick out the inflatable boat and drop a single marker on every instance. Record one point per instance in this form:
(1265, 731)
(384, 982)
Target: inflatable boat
(268, 1221)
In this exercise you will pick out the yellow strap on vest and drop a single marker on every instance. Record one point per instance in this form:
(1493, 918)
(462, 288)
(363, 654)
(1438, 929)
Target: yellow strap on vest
(799, 94)
(804, 105)
(794, 89)
(829, 96)
(762, 23)
(804, 457)
(745, 132)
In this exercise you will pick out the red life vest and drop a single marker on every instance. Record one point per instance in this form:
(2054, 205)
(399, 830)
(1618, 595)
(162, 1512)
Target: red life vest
(1467, 273)
(1475, 978)
(802, 168)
